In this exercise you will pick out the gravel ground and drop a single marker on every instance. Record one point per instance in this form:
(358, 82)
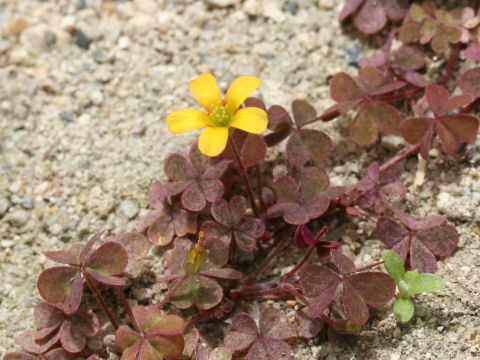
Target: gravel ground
(85, 89)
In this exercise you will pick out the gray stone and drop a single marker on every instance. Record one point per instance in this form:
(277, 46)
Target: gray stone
(82, 40)
(354, 54)
(19, 217)
(4, 205)
(27, 203)
(98, 57)
(49, 38)
(291, 7)
(66, 117)
(97, 97)
(129, 208)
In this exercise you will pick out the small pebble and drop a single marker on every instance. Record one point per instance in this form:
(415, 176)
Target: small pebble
(291, 7)
(27, 203)
(354, 54)
(16, 25)
(4, 205)
(6, 243)
(81, 4)
(82, 40)
(96, 97)
(66, 117)
(49, 38)
(19, 217)
(397, 333)
(129, 208)
(98, 57)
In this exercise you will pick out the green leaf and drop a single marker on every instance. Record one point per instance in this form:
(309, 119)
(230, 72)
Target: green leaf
(404, 309)
(426, 283)
(394, 265)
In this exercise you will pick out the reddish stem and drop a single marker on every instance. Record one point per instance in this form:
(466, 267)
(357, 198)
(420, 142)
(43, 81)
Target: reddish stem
(452, 62)
(370, 266)
(364, 213)
(172, 291)
(473, 105)
(126, 305)
(403, 155)
(281, 244)
(101, 300)
(260, 187)
(401, 96)
(243, 173)
(299, 265)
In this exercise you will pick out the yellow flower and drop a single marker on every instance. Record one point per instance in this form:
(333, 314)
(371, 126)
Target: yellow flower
(220, 115)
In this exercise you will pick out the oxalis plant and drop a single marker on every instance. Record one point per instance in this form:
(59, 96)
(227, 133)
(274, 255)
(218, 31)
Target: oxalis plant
(221, 218)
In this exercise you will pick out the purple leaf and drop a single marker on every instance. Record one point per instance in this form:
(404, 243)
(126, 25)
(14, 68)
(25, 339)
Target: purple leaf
(390, 232)
(63, 257)
(303, 112)
(343, 88)
(472, 53)
(178, 168)
(104, 278)
(157, 195)
(47, 315)
(267, 348)
(193, 199)
(306, 327)
(421, 257)
(148, 220)
(344, 264)
(364, 128)
(238, 341)
(414, 129)
(371, 18)
(72, 340)
(89, 245)
(244, 322)
(314, 181)
(368, 288)
(307, 144)
(152, 322)
(349, 8)
(442, 240)
(54, 283)
(28, 342)
(395, 9)
(254, 150)
(280, 122)
(463, 127)
(199, 290)
(137, 247)
(110, 259)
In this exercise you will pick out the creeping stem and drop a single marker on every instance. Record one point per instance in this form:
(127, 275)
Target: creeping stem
(171, 292)
(101, 300)
(127, 306)
(243, 173)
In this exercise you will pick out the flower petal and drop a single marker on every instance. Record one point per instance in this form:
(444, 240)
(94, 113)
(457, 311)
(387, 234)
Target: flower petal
(205, 89)
(250, 119)
(184, 120)
(240, 89)
(213, 140)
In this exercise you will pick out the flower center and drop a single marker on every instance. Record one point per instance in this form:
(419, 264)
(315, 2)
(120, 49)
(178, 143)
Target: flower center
(221, 116)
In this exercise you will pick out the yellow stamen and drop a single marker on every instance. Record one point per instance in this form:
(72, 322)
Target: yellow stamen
(196, 257)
